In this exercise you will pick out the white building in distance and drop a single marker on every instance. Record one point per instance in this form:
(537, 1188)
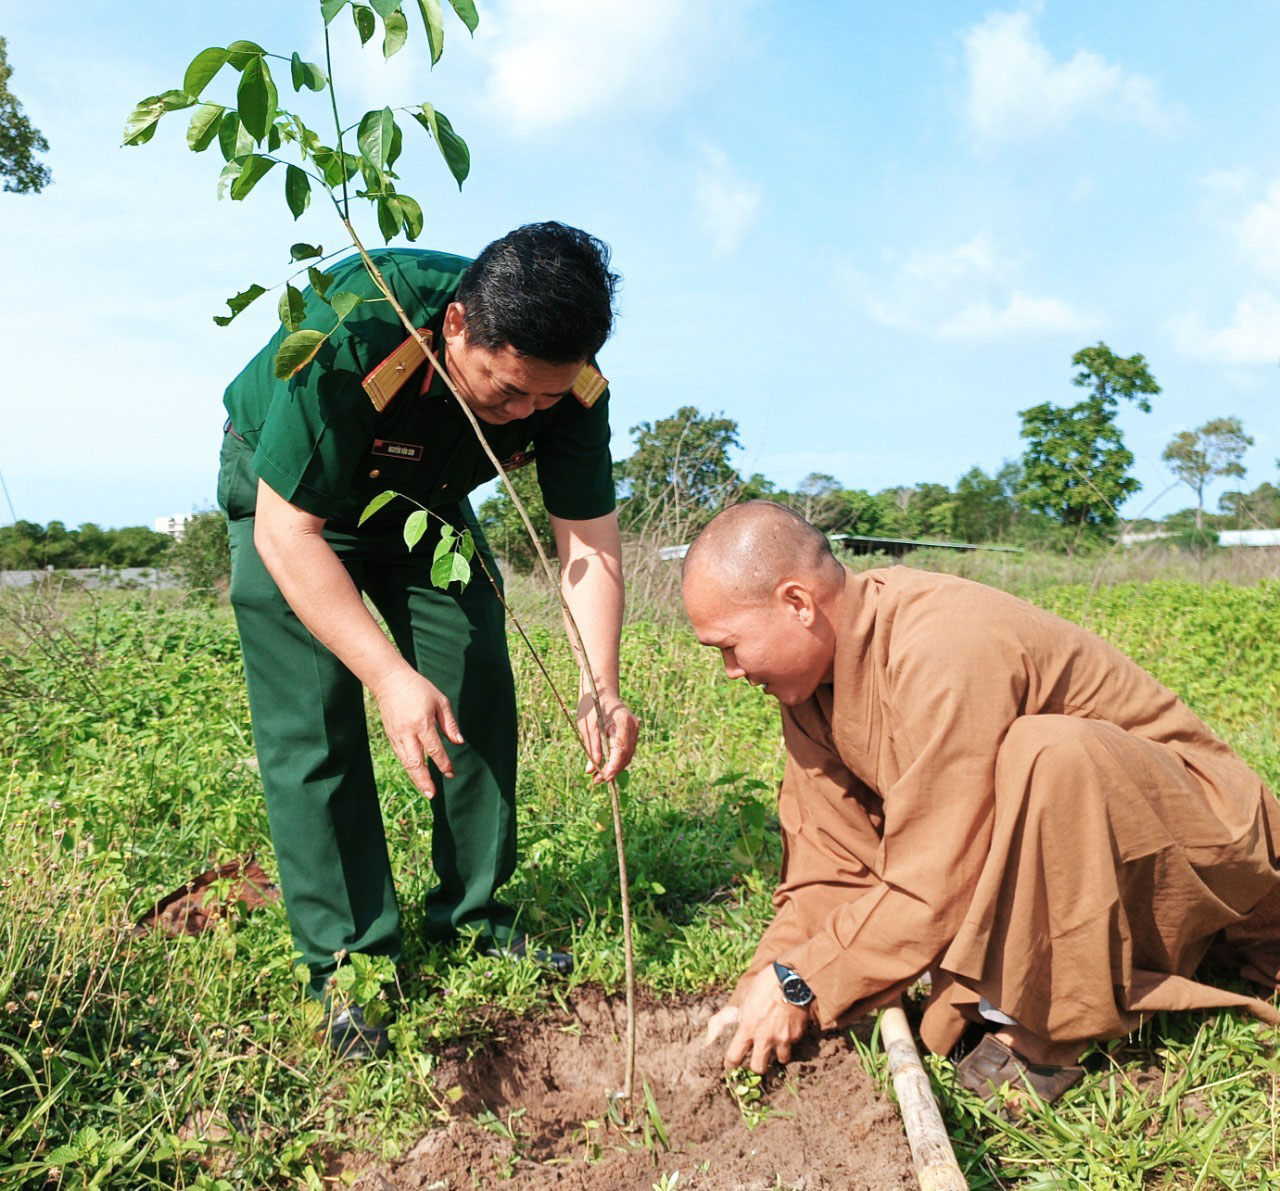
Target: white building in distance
(174, 526)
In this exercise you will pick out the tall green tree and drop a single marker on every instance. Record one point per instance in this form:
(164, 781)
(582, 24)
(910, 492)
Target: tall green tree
(983, 509)
(1076, 467)
(20, 140)
(679, 475)
(1215, 449)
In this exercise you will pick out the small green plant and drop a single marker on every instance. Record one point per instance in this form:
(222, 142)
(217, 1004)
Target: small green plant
(747, 1090)
(751, 816)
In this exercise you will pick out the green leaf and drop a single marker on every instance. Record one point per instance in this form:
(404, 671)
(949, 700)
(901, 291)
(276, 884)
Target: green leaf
(466, 9)
(366, 22)
(238, 303)
(383, 498)
(253, 169)
(459, 569)
(397, 144)
(397, 34)
(241, 53)
(320, 282)
(306, 74)
(443, 546)
(415, 526)
(467, 545)
(230, 172)
(274, 138)
(344, 302)
(297, 190)
(292, 308)
(204, 126)
(141, 125)
(433, 22)
(384, 8)
(330, 9)
(389, 217)
(203, 67)
(454, 149)
(256, 98)
(233, 138)
(304, 252)
(375, 135)
(296, 352)
(336, 167)
(411, 212)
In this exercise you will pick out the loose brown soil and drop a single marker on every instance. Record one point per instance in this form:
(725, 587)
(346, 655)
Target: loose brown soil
(547, 1082)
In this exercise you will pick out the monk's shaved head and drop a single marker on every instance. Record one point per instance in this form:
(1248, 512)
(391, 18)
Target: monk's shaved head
(749, 549)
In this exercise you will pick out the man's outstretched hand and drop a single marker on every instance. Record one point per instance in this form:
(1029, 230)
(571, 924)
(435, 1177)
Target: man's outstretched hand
(767, 1025)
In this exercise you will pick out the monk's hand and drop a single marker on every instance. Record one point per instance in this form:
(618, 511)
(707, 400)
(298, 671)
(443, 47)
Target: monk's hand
(768, 1025)
(415, 713)
(610, 750)
(724, 1019)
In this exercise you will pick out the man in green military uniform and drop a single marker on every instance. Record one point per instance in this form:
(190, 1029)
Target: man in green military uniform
(515, 330)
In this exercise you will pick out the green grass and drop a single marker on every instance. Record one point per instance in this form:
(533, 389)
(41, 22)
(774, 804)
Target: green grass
(153, 1062)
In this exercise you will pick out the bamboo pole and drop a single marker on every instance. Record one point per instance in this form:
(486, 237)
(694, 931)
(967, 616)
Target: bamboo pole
(931, 1152)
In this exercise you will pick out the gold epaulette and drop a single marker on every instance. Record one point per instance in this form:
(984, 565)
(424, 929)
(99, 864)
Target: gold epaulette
(589, 385)
(388, 378)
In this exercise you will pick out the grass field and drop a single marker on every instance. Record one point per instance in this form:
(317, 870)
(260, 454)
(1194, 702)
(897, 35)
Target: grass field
(155, 1062)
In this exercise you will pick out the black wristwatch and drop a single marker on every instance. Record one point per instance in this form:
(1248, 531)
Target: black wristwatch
(795, 990)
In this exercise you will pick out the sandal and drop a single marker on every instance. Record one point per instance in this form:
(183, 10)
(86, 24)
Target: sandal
(992, 1064)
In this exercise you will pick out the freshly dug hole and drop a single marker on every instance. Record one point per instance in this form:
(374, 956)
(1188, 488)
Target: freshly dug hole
(537, 1085)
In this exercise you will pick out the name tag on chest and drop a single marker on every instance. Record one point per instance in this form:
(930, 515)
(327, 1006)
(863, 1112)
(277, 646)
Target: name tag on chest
(397, 450)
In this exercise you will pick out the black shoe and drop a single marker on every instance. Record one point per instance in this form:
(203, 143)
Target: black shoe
(518, 948)
(349, 1036)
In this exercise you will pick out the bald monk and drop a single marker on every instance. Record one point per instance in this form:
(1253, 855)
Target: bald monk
(981, 790)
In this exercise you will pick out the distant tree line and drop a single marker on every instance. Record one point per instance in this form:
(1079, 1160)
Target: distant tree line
(1063, 493)
(27, 546)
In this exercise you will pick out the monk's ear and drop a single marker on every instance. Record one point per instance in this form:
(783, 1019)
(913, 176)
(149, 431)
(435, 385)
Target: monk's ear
(799, 601)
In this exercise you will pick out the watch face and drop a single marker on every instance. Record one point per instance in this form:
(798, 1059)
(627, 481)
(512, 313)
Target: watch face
(796, 991)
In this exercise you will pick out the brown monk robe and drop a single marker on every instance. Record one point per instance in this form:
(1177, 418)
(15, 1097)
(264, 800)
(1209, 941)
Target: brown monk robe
(979, 789)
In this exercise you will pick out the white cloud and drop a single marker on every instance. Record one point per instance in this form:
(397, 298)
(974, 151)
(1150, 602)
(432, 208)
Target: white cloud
(1251, 337)
(1259, 233)
(1019, 92)
(1226, 182)
(727, 204)
(966, 293)
(551, 62)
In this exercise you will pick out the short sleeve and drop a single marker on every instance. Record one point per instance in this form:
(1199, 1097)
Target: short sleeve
(575, 466)
(310, 433)
(318, 425)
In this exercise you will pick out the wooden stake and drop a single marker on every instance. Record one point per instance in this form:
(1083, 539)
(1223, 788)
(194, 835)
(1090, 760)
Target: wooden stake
(931, 1152)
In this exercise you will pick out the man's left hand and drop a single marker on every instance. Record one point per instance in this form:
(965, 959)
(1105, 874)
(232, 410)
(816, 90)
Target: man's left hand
(621, 729)
(768, 1025)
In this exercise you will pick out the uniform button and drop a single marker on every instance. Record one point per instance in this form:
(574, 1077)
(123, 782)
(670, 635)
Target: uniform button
(443, 487)
(374, 474)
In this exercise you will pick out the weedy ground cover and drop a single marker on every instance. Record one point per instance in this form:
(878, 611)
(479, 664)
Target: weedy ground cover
(154, 1062)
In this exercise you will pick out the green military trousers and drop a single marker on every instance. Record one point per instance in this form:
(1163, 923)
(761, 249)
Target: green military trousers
(312, 739)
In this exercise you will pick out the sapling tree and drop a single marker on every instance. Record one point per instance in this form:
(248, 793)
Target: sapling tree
(258, 132)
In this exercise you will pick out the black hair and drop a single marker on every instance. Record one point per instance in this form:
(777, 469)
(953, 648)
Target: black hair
(545, 289)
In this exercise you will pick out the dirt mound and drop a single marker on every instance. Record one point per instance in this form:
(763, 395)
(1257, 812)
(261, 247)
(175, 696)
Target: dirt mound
(534, 1109)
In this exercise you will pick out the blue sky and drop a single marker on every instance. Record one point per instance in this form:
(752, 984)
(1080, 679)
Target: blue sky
(870, 233)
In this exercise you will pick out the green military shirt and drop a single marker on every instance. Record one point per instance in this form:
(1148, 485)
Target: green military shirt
(318, 441)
